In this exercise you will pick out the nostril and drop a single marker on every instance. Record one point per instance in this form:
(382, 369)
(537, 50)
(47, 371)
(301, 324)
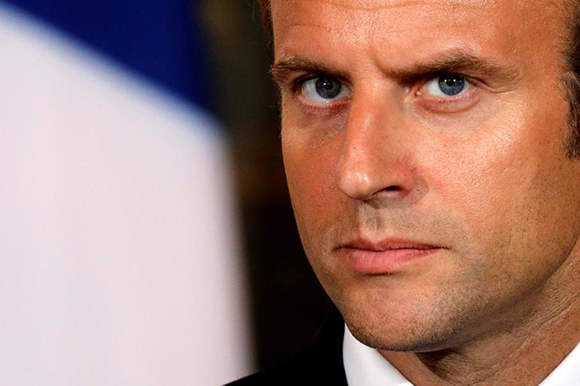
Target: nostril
(389, 192)
(392, 188)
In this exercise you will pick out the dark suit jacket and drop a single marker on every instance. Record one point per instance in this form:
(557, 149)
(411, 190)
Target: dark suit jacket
(319, 363)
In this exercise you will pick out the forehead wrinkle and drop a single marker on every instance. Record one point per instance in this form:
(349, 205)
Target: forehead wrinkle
(384, 5)
(377, 41)
(362, 33)
(365, 15)
(376, 5)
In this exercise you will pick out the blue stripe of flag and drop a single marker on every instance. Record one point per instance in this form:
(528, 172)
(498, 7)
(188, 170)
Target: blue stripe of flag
(157, 38)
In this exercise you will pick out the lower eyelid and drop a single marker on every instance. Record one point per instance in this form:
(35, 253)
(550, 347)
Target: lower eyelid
(323, 108)
(449, 105)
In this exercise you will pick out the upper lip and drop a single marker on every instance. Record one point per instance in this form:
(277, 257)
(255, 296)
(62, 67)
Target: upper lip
(387, 245)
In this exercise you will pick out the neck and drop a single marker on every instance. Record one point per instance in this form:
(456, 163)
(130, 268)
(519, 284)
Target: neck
(548, 329)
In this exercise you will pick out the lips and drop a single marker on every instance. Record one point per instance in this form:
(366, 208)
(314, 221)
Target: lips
(384, 257)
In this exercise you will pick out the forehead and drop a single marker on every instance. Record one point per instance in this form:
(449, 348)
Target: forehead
(377, 9)
(370, 10)
(395, 25)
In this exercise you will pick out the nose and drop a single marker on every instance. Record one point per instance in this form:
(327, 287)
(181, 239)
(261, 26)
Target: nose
(375, 163)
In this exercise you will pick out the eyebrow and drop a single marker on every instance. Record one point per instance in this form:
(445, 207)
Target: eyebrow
(459, 61)
(451, 62)
(288, 65)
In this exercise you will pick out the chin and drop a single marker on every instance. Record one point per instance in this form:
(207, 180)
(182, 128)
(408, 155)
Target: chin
(417, 337)
(411, 328)
(412, 341)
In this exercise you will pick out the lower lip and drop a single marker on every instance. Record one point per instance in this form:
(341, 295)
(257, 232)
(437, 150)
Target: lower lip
(383, 262)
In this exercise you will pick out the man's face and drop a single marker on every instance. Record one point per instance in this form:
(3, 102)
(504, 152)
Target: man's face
(424, 149)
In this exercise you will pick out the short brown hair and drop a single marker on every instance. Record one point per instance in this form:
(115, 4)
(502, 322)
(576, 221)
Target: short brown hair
(572, 81)
(267, 19)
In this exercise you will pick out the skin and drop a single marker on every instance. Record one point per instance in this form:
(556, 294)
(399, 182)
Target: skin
(484, 176)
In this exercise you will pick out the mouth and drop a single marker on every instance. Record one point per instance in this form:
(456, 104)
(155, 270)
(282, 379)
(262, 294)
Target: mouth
(384, 257)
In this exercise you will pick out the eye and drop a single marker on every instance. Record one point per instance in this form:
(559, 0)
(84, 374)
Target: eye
(324, 89)
(447, 85)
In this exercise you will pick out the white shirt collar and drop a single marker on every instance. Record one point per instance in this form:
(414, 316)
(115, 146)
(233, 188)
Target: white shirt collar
(364, 366)
(568, 371)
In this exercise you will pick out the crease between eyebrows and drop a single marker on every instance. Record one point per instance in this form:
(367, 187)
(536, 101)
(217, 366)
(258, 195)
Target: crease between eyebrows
(455, 61)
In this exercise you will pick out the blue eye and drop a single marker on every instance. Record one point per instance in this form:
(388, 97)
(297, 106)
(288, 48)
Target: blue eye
(324, 89)
(447, 85)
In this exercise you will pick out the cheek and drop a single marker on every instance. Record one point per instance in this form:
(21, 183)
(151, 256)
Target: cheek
(507, 185)
(306, 177)
(310, 149)
(471, 181)
(310, 173)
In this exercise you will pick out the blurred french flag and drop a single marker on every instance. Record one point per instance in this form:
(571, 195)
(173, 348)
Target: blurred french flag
(119, 262)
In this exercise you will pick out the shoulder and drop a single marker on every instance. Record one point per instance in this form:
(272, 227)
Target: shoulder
(320, 362)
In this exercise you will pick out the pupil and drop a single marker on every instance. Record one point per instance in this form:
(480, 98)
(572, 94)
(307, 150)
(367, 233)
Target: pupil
(328, 88)
(451, 84)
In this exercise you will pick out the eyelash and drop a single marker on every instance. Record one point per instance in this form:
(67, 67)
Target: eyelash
(442, 102)
(295, 87)
(296, 84)
(451, 104)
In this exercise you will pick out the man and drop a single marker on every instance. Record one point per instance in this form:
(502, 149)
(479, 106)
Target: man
(432, 156)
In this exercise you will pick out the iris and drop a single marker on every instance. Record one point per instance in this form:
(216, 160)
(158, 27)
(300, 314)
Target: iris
(451, 84)
(327, 88)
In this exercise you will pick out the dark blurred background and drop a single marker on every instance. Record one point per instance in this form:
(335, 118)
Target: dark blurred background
(287, 302)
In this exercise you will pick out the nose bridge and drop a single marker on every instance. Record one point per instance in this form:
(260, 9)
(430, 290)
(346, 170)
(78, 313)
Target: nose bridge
(371, 162)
